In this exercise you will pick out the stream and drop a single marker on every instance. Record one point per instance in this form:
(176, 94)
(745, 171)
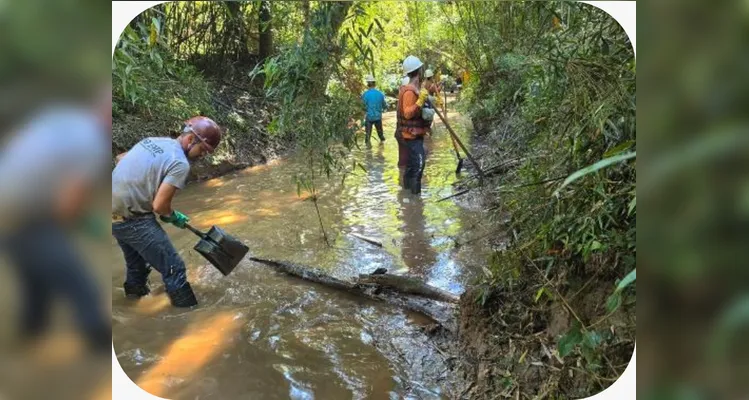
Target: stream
(259, 334)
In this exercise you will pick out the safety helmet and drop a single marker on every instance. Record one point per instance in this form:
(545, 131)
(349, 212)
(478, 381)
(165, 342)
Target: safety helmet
(428, 74)
(206, 130)
(369, 78)
(411, 64)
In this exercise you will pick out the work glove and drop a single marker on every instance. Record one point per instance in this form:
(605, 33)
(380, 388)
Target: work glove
(177, 219)
(93, 226)
(423, 95)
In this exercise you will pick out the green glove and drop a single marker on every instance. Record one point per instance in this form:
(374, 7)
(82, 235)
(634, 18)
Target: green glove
(93, 226)
(177, 219)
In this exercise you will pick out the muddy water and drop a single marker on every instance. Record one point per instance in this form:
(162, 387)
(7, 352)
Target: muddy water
(258, 334)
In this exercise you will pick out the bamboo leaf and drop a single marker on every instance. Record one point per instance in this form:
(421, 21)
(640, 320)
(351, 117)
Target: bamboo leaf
(595, 167)
(569, 341)
(632, 205)
(627, 280)
(539, 293)
(613, 302)
(618, 149)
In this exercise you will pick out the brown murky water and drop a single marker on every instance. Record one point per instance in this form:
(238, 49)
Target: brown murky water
(258, 334)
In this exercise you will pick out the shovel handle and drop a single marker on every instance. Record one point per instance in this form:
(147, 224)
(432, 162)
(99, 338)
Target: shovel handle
(195, 230)
(462, 146)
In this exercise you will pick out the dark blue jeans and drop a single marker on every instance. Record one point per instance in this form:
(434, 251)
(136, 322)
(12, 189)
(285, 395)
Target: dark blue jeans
(50, 268)
(144, 242)
(415, 166)
(368, 130)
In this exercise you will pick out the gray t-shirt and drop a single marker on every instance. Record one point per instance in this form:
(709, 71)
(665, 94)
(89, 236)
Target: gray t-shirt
(59, 143)
(137, 177)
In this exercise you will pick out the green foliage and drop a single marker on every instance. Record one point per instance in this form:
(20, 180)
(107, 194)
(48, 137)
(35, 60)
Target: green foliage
(313, 114)
(615, 300)
(147, 80)
(553, 85)
(595, 167)
(583, 342)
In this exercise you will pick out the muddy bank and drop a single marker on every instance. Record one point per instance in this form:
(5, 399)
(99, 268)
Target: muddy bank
(242, 113)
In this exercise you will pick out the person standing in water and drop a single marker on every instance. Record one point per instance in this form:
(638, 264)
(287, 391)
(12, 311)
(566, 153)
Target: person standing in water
(374, 103)
(144, 183)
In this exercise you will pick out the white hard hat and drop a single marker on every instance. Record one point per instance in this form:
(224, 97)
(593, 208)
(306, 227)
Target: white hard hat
(370, 78)
(428, 74)
(411, 64)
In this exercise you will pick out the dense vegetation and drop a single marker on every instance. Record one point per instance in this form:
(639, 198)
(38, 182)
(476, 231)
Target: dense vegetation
(551, 92)
(556, 96)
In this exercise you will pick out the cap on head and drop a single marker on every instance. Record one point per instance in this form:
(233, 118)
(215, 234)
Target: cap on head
(428, 74)
(369, 78)
(206, 130)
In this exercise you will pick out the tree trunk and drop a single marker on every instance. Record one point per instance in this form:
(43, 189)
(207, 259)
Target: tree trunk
(409, 285)
(305, 12)
(266, 33)
(391, 292)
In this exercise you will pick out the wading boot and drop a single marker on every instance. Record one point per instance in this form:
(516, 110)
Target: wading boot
(134, 292)
(183, 297)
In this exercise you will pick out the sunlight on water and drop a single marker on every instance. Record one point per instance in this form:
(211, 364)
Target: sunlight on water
(201, 342)
(153, 304)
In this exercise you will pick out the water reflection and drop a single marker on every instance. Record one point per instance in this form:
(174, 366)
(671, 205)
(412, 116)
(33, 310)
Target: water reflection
(416, 250)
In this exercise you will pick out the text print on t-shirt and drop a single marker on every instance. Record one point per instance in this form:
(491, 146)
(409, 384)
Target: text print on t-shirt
(152, 147)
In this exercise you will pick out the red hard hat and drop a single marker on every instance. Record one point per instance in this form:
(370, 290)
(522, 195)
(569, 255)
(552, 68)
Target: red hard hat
(206, 130)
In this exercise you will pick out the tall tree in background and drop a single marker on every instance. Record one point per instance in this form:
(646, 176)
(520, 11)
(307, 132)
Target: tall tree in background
(266, 33)
(305, 13)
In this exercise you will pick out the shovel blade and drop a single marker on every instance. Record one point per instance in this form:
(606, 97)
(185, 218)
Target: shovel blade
(221, 249)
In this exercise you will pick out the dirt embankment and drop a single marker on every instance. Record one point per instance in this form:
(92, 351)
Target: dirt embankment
(244, 116)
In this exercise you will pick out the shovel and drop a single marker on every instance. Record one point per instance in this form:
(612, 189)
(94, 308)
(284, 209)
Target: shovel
(222, 250)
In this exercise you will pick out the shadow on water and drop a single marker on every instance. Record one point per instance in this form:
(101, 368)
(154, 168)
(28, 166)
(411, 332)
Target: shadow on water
(257, 334)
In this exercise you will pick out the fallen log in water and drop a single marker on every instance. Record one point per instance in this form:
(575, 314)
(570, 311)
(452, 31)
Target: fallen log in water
(440, 312)
(410, 285)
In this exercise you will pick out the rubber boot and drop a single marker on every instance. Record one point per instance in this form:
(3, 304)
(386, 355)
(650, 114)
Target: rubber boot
(135, 292)
(415, 185)
(183, 297)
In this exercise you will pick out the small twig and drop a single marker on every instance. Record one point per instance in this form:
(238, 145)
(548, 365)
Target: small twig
(582, 325)
(319, 217)
(553, 287)
(366, 239)
(462, 192)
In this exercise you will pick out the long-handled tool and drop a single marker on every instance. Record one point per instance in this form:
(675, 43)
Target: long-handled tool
(221, 249)
(457, 154)
(462, 146)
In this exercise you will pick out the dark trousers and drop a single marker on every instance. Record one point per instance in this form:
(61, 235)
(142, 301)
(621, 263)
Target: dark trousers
(415, 166)
(144, 242)
(50, 268)
(368, 130)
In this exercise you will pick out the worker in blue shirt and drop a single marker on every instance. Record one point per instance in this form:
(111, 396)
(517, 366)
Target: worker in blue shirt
(374, 103)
